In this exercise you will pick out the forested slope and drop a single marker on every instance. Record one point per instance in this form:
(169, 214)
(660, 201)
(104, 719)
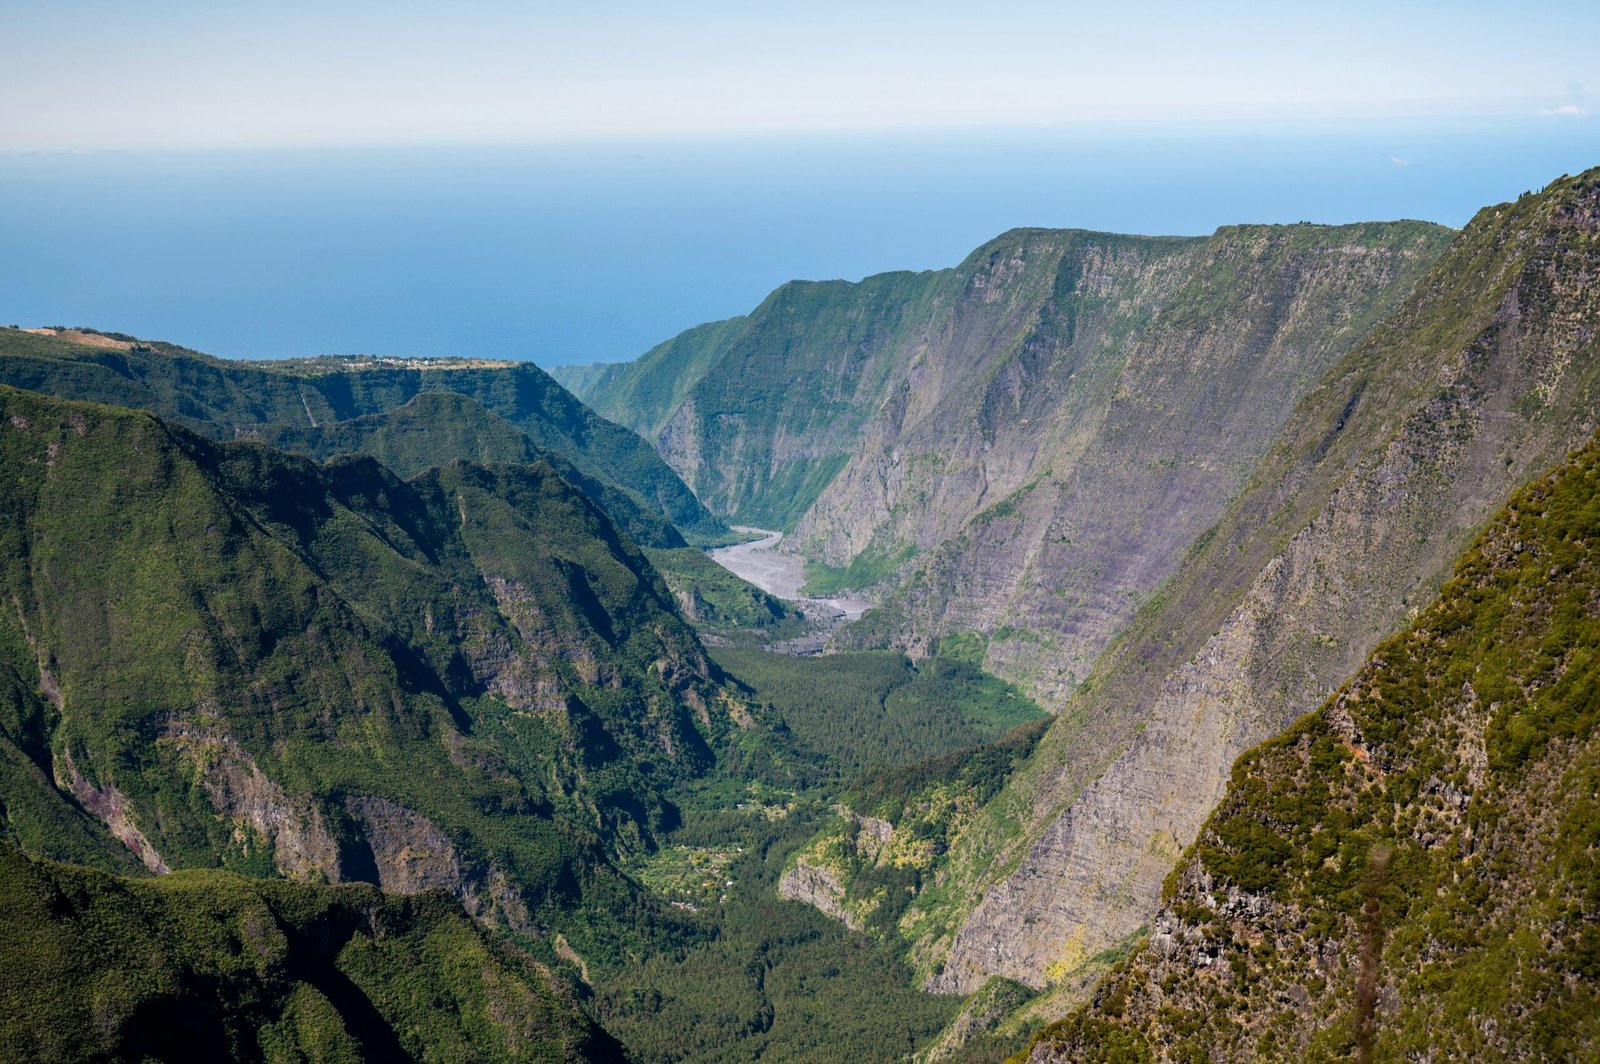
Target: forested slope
(436, 427)
(1412, 871)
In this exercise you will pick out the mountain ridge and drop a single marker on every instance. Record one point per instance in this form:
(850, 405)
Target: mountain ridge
(303, 399)
(228, 655)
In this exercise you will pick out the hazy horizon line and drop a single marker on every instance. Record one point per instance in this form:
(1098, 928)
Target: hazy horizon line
(1176, 123)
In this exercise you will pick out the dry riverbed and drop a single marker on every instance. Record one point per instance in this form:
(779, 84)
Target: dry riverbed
(759, 562)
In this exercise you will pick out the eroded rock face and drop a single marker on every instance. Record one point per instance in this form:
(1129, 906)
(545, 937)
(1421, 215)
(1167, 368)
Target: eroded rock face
(1107, 440)
(109, 804)
(410, 855)
(294, 828)
(409, 851)
(1353, 521)
(818, 887)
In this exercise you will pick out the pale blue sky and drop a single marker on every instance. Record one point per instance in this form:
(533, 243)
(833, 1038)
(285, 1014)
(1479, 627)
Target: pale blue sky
(86, 75)
(582, 180)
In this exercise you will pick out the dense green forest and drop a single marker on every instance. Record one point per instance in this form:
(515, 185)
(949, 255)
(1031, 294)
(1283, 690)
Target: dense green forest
(777, 980)
(877, 709)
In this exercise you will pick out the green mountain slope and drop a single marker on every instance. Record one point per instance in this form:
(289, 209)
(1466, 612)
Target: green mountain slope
(1412, 871)
(758, 414)
(1028, 441)
(208, 965)
(580, 378)
(1488, 373)
(711, 598)
(650, 389)
(436, 427)
(224, 654)
(229, 400)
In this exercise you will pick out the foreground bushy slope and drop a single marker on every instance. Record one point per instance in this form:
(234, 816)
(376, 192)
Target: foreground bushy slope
(229, 400)
(212, 966)
(1413, 871)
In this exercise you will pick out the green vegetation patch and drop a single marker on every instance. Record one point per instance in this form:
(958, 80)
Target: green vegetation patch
(709, 596)
(779, 981)
(878, 708)
(968, 647)
(872, 566)
(694, 876)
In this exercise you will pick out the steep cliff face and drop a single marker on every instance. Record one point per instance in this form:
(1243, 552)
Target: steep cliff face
(1032, 438)
(1487, 374)
(224, 654)
(1413, 871)
(646, 393)
(1053, 484)
(758, 414)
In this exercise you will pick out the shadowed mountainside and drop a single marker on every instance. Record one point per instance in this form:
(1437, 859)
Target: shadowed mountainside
(209, 965)
(432, 428)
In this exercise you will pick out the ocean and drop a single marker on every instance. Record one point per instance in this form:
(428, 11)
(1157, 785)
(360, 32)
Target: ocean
(596, 251)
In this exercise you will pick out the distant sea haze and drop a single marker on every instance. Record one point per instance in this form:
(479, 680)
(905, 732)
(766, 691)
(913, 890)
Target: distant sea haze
(582, 252)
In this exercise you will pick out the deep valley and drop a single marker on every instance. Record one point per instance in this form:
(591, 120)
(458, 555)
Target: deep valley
(1110, 648)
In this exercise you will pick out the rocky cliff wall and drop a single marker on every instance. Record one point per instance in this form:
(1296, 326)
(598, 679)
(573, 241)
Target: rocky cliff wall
(1489, 373)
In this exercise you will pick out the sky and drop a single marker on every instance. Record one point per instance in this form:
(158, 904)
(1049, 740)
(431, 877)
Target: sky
(81, 75)
(567, 182)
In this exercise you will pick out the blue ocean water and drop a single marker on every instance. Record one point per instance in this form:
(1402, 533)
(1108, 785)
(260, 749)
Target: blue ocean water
(576, 252)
